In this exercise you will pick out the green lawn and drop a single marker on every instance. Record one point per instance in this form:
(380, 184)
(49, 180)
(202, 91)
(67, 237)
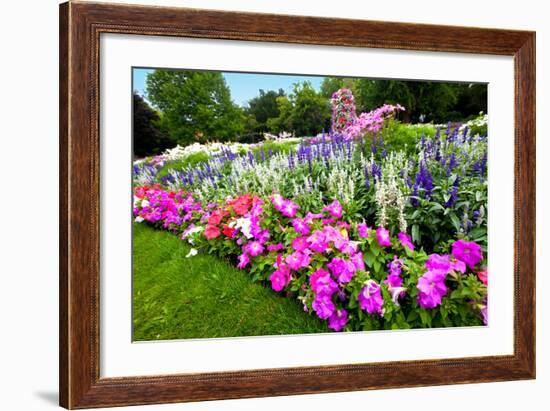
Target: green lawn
(203, 296)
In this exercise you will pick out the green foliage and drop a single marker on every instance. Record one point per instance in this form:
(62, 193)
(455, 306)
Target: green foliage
(148, 138)
(304, 112)
(196, 105)
(332, 84)
(262, 108)
(203, 297)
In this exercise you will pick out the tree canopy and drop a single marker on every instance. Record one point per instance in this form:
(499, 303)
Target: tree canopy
(304, 112)
(196, 105)
(148, 138)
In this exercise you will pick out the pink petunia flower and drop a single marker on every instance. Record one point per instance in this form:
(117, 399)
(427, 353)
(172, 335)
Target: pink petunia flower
(280, 278)
(383, 237)
(370, 298)
(323, 306)
(341, 269)
(318, 242)
(338, 320)
(358, 261)
(243, 261)
(300, 243)
(405, 240)
(468, 252)
(255, 248)
(297, 260)
(300, 226)
(334, 209)
(322, 283)
(362, 230)
(432, 289)
(289, 208)
(275, 247)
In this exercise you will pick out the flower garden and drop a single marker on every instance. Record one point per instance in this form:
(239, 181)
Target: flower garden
(373, 225)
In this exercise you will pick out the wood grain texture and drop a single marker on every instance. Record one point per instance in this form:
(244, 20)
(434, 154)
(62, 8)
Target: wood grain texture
(80, 27)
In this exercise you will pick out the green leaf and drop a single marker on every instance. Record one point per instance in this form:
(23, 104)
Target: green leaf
(415, 232)
(455, 221)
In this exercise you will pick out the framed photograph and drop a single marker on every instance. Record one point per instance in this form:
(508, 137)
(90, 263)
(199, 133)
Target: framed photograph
(260, 205)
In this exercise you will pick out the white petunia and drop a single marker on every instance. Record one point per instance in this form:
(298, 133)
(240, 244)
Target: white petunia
(191, 253)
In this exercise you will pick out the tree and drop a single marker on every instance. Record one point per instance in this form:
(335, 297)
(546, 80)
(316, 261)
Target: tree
(332, 84)
(262, 108)
(196, 105)
(435, 101)
(148, 138)
(305, 112)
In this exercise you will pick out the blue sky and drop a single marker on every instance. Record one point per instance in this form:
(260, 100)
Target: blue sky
(243, 86)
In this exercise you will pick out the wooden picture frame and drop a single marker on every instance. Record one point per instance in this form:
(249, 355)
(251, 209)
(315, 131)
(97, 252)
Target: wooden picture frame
(80, 27)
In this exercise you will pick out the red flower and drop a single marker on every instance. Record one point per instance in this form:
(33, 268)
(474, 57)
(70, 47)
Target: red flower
(216, 217)
(228, 231)
(211, 231)
(241, 204)
(482, 275)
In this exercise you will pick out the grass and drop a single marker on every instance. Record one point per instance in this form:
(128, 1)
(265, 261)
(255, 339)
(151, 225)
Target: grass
(175, 297)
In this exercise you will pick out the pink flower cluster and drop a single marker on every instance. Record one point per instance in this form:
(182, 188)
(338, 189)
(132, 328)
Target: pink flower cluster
(370, 122)
(321, 251)
(431, 284)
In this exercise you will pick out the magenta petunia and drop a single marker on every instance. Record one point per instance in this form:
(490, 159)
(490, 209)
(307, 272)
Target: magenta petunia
(278, 201)
(243, 261)
(437, 262)
(383, 237)
(341, 269)
(300, 226)
(335, 209)
(289, 208)
(300, 243)
(338, 320)
(275, 247)
(358, 261)
(432, 288)
(323, 306)
(468, 252)
(405, 240)
(318, 242)
(370, 298)
(322, 283)
(280, 278)
(254, 248)
(362, 230)
(297, 260)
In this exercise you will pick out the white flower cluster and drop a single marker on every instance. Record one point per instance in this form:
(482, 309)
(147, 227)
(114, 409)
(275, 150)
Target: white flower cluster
(391, 197)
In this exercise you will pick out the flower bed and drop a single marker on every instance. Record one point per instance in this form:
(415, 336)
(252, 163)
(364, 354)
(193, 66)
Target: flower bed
(352, 276)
